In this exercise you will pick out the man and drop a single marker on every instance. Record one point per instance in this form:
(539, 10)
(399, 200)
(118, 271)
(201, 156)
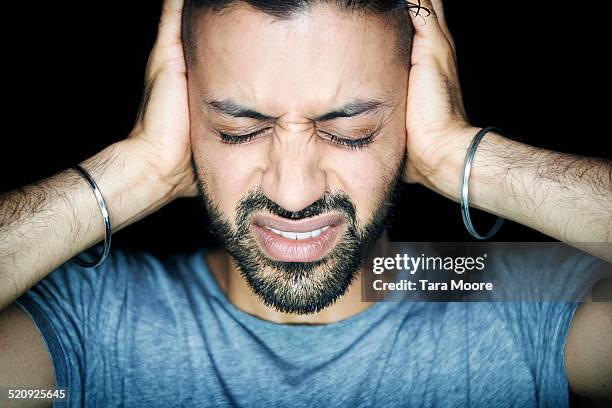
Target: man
(294, 121)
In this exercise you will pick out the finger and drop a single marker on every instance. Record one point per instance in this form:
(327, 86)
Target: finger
(430, 22)
(438, 6)
(170, 23)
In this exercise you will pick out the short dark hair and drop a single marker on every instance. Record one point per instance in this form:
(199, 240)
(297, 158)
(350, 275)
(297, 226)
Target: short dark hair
(394, 11)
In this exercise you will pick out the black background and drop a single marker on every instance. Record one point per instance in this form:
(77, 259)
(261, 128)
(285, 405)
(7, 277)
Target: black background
(74, 74)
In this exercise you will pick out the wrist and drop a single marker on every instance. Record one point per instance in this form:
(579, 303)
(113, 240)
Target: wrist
(488, 173)
(442, 169)
(131, 187)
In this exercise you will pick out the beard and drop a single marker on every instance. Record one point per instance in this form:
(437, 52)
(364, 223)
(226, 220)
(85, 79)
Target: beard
(300, 287)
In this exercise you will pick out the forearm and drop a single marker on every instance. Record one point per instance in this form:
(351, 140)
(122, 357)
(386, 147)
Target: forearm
(564, 196)
(45, 224)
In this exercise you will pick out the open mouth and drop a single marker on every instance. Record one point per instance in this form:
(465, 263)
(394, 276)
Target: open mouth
(305, 240)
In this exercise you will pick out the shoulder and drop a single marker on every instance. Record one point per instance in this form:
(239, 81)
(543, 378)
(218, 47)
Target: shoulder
(148, 274)
(545, 271)
(124, 276)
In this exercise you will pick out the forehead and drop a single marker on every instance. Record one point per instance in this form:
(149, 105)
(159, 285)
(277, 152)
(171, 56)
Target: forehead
(319, 57)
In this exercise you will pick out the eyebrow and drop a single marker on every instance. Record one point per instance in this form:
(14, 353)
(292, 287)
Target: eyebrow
(351, 109)
(231, 108)
(355, 108)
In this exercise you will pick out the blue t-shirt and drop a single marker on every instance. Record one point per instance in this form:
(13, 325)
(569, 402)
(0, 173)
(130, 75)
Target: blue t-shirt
(142, 332)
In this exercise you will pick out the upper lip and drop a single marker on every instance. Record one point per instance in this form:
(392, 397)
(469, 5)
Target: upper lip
(303, 225)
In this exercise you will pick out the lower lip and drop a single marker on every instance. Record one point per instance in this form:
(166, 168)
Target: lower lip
(284, 249)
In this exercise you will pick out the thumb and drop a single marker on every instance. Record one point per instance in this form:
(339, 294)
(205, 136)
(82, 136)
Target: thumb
(169, 32)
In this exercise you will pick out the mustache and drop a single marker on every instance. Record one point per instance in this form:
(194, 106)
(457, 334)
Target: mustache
(256, 201)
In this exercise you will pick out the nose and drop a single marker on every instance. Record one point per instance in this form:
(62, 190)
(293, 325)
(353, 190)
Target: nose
(293, 178)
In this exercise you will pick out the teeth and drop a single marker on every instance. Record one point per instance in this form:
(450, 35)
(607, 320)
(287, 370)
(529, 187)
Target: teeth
(299, 235)
(289, 235)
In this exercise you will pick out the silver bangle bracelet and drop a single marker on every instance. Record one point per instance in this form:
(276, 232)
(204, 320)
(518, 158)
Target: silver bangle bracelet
(465, 206)
(105, 218)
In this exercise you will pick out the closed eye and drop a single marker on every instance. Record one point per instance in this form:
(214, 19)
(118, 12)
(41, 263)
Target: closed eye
(352, 143)
(237, 139)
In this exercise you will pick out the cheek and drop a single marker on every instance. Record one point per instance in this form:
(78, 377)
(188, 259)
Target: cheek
(366, 175)
(229, 172)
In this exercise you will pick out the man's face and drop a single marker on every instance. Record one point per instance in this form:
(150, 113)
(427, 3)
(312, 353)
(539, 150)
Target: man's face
(298, 137)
